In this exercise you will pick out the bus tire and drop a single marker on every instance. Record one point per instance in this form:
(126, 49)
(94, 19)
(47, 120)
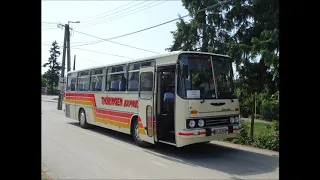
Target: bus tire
(135, 134)
(83, 119)
(207, 142)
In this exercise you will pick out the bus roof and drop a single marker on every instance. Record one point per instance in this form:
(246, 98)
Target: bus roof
(173, 53)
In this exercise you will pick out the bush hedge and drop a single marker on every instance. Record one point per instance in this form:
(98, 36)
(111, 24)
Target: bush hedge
(268, 139)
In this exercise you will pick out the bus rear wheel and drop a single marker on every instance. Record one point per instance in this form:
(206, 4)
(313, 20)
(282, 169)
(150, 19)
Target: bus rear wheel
(83, 119)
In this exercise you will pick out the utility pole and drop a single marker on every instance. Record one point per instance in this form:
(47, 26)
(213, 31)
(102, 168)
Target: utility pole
(68, 51)
(66, 34)
(74, 63)
(66, 46)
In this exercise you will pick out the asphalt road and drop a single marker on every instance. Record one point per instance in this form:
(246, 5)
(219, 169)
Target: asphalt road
(70, 152)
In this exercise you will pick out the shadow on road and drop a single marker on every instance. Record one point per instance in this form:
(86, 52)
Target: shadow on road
(220, 158)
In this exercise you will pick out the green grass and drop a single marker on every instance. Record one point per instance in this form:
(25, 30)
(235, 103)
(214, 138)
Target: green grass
(44, 176)
(260, 127)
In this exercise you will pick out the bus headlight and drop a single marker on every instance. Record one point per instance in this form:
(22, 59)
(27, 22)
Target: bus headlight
(237, 119)
(192, 123)
(200, 122)
(232, 120)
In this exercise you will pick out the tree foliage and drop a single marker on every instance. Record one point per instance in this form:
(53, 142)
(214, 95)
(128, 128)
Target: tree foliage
(246, 30)
(53, 73)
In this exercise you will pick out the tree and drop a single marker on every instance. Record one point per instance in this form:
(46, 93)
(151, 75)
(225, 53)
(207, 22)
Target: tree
(53, 73)
(43, 81)
(246, 30)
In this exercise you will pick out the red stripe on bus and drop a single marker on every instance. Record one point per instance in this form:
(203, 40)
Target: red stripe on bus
(69, 95)
(114, 113)
(185, 134)
(80, 94)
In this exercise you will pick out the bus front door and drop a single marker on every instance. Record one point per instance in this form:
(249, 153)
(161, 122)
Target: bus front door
(146, 103)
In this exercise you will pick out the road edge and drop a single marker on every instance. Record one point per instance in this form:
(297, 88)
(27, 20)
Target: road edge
(49, 174)
(247, 148)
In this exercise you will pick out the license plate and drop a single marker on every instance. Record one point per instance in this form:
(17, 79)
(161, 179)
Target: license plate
(220, 131)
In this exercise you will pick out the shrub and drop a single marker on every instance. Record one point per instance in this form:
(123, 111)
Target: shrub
(243, 136)
(270, 110)
(267, 139)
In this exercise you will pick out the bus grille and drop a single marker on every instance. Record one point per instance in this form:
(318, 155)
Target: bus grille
(216, 121)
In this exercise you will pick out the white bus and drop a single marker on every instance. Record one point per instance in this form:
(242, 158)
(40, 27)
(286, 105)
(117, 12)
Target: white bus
(179, 98)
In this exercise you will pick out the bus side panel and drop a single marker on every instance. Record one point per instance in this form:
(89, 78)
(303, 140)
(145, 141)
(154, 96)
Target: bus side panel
(70, 106)
(181, 113)
(72, 111)
(113, 110)
(115, 128)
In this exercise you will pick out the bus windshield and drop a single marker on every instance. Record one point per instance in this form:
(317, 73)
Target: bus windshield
(209, 77)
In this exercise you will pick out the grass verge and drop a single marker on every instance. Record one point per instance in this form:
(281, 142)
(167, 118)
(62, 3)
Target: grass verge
(265, 136)
(44, 176)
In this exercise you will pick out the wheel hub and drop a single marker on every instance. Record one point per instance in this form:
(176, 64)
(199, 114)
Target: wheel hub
(137, 132)
(82, 118)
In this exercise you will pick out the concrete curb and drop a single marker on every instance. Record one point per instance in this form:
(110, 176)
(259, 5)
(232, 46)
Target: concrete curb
(247, 148)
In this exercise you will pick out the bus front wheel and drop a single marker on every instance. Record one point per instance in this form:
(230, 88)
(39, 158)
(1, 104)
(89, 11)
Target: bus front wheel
(136, 135)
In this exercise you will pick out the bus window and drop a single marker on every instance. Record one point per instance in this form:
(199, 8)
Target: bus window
(71, 82)
(133, 83)
(116, 78)
(96, 79)
(146, 85)
(69, 78)
(83, 81)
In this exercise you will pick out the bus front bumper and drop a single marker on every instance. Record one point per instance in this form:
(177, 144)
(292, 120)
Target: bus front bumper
(209, 132)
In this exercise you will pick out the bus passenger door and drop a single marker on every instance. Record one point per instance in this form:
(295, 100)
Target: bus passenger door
(146, 103)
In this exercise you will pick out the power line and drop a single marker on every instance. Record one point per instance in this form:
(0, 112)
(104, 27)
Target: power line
(44, 61)
(88, 61)
(118, 11)
(50, 22)
(49, 29)
(124, 14)
(204, 9)
(104, 53)
(111, 42)
(70, 42)
(111, 10)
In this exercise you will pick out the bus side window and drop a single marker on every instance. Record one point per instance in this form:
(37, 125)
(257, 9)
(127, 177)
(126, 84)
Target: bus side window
(133, 72)
(116, 78)
(69, 78)
(96, 80)
(83, 81)
(146, 83)
(71, 83)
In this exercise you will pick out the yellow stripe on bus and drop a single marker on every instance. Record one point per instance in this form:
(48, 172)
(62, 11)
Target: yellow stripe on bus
(110, 122)
(142, 131)
(88, 103)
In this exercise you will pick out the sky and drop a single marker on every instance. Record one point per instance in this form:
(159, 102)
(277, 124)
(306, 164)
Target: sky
(102, 19)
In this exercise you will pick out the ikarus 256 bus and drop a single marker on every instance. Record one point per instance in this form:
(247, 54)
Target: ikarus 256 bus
(179, 98)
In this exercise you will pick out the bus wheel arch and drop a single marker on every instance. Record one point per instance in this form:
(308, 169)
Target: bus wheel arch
(133, 123)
